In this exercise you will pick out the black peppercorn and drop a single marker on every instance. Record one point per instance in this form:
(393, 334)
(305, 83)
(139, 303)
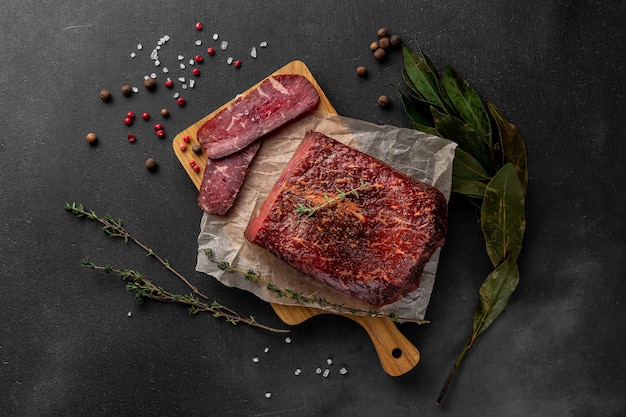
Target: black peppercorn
(395, 40)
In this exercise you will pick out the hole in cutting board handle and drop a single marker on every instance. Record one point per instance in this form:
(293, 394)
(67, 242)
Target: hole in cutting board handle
(396, 353)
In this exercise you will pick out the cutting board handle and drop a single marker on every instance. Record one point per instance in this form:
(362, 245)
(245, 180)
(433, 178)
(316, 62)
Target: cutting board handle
(396, 353)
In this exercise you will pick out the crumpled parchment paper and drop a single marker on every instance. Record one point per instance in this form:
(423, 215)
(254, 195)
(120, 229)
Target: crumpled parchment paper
(425, 157)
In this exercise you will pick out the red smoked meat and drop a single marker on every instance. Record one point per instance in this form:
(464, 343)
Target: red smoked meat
(274, 102)
(223, 178)
(372, 244)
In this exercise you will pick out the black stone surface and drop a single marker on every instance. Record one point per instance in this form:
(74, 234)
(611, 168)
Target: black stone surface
(68, 346)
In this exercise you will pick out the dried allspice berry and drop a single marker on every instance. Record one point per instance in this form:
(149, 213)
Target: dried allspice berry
(395, 40)
(91, 138)
(151, 164)
(105, 95)
(127, 90)
(383, 33)
(383, 101)
(361, 71)
(379, 54)
(384, 42)
(149, 83)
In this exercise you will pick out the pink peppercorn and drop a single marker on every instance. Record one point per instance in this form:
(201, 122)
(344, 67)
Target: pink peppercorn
(199, 59)
(169, 83)
(131, 138)
(145, 116)
(128, 121)
(158, 126)
(160, 133)
(196, 168)
(210, 50)
(130, 115)
(237, 63)
(186, 139)
(199, 26)
(181, 101)
(192, 163)
(195, 71)
(183, 147)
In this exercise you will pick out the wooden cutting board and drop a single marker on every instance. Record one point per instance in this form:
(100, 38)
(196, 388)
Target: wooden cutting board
(396, 354)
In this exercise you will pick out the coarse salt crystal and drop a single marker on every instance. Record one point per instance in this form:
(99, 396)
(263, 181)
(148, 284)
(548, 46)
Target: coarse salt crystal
(267, 349)
(253, 52)
(184, 86)
(318, 371)
(198, 42)
(326, 373)
(255, 359)
(192, 62)
(229, 60)
(298, 371)
(166, 38)
(153, 75)
(130, 313)
(132, 55)
(165, 70)
(288, 340)
(268, 395)
(182, 66)
(343, 371)
(192, 83)
(224, 45)
(176, 95)
(329, 361)
(154, 54)
(263, 44)
(139, 46)
(215, 36)
(135, 90)
(157, 62)
(180, 57)
(181, 79)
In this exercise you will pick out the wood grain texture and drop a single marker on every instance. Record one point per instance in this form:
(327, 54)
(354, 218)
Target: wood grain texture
(396, 353)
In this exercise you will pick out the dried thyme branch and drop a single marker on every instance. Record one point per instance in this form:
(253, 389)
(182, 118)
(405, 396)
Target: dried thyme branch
(303, 209)
(321, 302)
(145, 289)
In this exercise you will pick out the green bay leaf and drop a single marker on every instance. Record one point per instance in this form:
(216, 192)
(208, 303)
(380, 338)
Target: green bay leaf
(468, 105)
(421, 78)
(495, 292)
(502, 215)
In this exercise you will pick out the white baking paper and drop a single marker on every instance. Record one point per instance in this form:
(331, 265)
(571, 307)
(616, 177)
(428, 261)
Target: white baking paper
(425, 157)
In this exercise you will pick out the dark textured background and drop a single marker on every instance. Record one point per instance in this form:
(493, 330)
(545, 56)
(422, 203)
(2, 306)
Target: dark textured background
(67, 345)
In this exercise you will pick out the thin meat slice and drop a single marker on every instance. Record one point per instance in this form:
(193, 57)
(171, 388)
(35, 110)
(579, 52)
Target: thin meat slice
(372, 228)
(223, 178)
(277, 100)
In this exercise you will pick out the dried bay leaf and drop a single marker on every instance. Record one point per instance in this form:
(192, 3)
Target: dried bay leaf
(513, 147)
(422, 78)
(502, 215)
(495, 292)
(468, 176)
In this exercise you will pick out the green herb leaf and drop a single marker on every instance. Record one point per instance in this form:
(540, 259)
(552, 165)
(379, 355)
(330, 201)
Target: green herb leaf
(468, 176)
(513, 147)
(467, 138)
(422, 78)
(502, 215)
(495, 293)
(467, 103)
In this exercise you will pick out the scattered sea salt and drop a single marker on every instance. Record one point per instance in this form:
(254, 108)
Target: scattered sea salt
(192, 83)
(224, 45)
(267, 349)
(130, 313)
(268, 395)
(165, 70)
(153, 75)
(154, 54)
(326, 373)
(198, 42)
(253, 52)
(139, 46)
(135, 90)
(298, 371)
(229, 60)
(255, 359)
(318, 371)
(182, 66)
(181, 79)
(176, 95)
(263, 44)
(343, 371)
(157, 62)
(184, 86)
(192, 62)
(215, 36)
(180, 57)
(132, 55)
(329, 361)
(288, 340)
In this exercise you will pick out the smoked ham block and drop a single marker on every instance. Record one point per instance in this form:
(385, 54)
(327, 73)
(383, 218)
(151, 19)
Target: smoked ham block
(350, 221)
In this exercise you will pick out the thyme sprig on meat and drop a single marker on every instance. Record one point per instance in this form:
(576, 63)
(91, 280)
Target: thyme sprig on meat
(303, 209)
(196, 302)
(320, 302)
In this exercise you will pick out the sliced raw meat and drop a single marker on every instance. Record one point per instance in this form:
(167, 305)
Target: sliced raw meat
(223, 178)
(274, 102)
(372, 229)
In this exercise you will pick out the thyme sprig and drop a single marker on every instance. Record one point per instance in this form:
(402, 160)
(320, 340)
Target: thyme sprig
(303, 209)
(254, 277)
(144, 288)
